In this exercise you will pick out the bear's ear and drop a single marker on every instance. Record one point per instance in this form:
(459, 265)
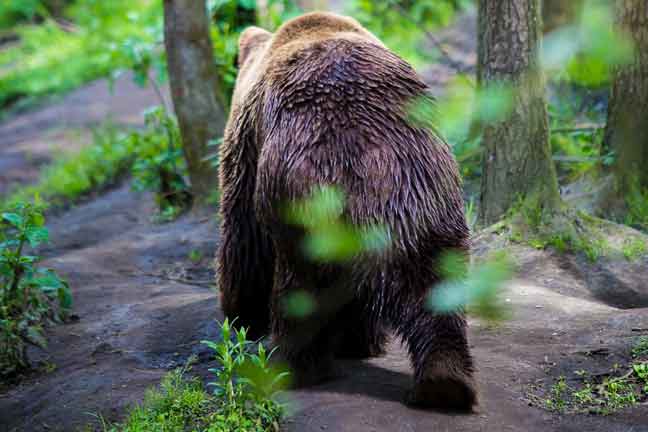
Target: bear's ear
(250, 39)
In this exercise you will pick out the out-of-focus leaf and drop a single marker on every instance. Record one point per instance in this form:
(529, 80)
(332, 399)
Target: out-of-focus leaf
(477, 289)
(587, 51)
(14, 219)
(35, 336)
(299, 304)
(37, 236)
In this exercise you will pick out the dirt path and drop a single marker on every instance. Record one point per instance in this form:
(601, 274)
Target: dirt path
(135, 324)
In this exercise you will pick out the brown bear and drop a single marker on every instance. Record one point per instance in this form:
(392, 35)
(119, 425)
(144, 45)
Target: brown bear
(323, 102)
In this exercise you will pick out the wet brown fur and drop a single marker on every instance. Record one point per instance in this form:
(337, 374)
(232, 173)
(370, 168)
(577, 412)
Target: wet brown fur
(322, 102)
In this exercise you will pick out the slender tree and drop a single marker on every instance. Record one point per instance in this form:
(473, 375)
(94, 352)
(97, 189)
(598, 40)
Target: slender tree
(626, 133)
(192, 77)
(516, 161)
(558, 13)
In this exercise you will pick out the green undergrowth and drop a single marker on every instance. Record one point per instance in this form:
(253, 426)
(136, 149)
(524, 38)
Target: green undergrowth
(404, 25)
(30, 295)
(569, 231)
(243, 400)
(637, 215)
(101, 37)
(151, 156)
(623, 387)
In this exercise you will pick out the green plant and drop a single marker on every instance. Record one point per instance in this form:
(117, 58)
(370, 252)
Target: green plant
(243, 400)
(618, 394)
(152, 155)
(14, 11)
(600, 394)
(29, 293)
(179, 404)
(51, 59)
(558, 393)
(159, 166)
(640, 347)
(245, 383)
(634, 249)
(637, 202)
(641, 370)
(402, 24)
(195, 256)
(330, 237)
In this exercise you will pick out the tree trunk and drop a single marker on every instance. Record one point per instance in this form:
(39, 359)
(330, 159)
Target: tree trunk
(626, 133)
(516, 161)
(192, 77)
(558, 13)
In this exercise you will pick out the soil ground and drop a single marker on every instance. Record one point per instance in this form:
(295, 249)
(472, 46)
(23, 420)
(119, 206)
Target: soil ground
(142, 306)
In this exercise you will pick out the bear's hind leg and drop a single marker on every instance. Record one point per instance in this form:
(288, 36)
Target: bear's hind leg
(305, 341)
(443, 365)
(358, 334)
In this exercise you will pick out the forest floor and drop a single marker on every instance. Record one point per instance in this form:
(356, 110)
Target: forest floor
(142, 306)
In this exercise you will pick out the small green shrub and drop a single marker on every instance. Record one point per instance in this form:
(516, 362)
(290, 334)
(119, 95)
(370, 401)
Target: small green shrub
(243, 400)
(29, 294)
(159, 166)
(245, 384)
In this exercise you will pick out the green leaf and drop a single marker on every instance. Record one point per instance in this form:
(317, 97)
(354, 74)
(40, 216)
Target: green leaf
(247, 4)
(37, 236)
(65, 297)
(14, 219)
(35, 336)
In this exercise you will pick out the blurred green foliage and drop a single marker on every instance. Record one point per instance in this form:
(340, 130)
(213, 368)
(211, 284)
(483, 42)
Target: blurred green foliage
(49, 58)
(230, 17)
(586, 51)
(402, 24)
(15, 11)
(30, 294)
(459, 114)
(299, 304)
(330, 238)
(475, 288)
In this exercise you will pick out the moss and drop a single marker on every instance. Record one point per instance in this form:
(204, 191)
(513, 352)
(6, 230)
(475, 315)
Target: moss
(565, 230)
(634, 249)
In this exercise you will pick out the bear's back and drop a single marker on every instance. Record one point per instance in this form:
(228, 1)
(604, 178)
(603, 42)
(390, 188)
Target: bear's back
(335, 111)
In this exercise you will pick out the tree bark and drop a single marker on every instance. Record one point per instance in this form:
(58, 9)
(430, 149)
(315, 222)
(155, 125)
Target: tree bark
(192, 77)
(626, 132)
(558, 13)
(516, 162)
